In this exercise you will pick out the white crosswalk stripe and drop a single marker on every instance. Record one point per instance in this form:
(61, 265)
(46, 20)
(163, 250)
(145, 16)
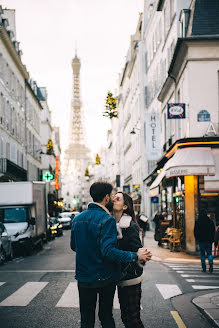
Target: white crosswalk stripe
(191, 272)
(70, 297)
(168, 291)
(24, 295)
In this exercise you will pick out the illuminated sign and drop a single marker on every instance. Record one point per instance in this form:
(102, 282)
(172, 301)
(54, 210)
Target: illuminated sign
(57, 173)
(47, 176)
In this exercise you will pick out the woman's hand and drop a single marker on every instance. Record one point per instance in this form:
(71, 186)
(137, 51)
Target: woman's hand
(144, 254)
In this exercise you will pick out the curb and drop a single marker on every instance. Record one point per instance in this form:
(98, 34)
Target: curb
(208, 304)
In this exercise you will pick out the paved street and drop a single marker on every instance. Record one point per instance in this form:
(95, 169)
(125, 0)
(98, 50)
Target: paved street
(40, 290)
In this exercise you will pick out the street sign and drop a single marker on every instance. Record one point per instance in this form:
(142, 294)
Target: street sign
(47, 176)
(155, 200)
(203, 116)
(176, 111)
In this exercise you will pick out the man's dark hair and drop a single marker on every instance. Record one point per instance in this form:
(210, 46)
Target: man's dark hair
(99, 190)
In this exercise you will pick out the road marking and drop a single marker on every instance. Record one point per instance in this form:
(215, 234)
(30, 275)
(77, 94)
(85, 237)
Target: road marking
(70, 297)
(192, 269)
(27, 271)
(204, 287)
(168, 291)
(24, 295)
(199, 276)
(2, 283)
(178, 319)
(201, 280)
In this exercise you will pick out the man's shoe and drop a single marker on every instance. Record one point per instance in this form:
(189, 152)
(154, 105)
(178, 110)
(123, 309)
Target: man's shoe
(211, 267)
(203, 270)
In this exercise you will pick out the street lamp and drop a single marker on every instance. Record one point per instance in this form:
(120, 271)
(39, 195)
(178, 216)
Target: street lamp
(133, 130)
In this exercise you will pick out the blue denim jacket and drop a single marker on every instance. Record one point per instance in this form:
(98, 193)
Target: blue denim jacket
(94, 239)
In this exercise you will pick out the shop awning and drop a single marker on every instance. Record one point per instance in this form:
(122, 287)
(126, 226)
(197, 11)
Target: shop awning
(191, 161)
(158, 180)
(211, 183)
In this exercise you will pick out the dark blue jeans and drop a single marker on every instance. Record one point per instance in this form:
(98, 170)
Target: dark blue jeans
(205, 248)
(88, 300)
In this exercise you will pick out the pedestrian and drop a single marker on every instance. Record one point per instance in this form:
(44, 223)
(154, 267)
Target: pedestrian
(129, 288)
(216, 241)
(94, 239)
(204, 232)
(143, 222)
(158, 217)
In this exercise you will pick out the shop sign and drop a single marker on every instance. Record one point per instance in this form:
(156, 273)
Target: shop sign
(126, 188)
(153, 135)
(154, 200)
(176, 110)
(211, 129)
(175, 172)
(203, 116)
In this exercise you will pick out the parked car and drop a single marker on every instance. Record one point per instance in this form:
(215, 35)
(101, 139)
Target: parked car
(56, 226)
(6, 249)
(65, 218)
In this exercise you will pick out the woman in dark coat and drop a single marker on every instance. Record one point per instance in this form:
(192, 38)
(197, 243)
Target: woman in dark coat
(204, 232)
(129, 288)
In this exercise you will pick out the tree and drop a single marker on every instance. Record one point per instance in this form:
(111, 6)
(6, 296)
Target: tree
(98, 159)
(111, 106)
(50, 148)
(87, 174)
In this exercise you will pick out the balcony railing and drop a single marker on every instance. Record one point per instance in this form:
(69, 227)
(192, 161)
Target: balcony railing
(12, 171)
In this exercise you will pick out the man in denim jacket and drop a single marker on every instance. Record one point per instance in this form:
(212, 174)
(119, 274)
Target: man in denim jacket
(94, 239)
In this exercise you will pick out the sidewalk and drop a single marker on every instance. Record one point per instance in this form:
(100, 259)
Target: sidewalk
(161, 254)
(208, 304)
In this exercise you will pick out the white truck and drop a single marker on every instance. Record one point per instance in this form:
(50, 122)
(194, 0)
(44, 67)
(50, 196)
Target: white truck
(23, 211)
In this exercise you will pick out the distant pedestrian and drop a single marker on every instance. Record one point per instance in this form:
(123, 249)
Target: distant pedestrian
(216, 240)
(94, 239)
(158, 217)
(204, 232)
(143, 222)
(129, 288)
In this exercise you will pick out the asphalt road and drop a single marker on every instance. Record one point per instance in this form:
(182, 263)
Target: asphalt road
(41, 291)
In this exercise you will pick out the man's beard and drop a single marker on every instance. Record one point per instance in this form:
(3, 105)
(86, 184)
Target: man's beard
(109, 206)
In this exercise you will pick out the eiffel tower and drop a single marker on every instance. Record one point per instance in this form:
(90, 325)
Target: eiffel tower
(77, 152)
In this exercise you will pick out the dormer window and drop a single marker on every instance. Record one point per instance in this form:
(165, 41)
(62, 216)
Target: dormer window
(184, 22)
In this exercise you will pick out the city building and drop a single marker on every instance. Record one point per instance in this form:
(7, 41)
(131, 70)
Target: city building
(188, 95)
(19, 109)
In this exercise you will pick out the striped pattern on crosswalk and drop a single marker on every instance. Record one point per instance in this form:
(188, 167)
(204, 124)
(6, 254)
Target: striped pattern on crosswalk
(25, 294)
(191, 272)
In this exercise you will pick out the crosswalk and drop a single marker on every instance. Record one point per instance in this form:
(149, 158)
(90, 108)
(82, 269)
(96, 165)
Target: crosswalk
(191, 274)
(26, 293)
(69, 298)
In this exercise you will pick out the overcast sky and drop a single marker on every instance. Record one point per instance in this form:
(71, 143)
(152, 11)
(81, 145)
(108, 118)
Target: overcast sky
(48, 30)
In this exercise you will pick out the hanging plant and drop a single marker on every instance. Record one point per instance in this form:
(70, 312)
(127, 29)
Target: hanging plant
(111, 106)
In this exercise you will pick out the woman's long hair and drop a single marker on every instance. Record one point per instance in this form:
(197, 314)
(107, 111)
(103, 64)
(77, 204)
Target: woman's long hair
(130, 208)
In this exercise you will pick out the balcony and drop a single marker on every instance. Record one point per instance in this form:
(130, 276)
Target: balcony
(11, 171)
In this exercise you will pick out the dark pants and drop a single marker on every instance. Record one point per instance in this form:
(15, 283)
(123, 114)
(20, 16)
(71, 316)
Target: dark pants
(205, 247)
(88, 300)
(130, 303)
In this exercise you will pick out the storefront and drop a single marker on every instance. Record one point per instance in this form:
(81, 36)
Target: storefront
(189, 181)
